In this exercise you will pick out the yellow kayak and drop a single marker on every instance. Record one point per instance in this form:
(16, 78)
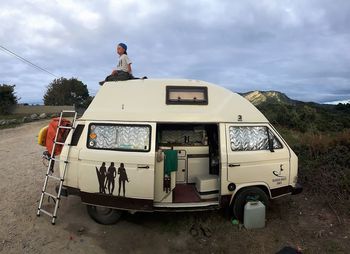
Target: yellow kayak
(42, 136)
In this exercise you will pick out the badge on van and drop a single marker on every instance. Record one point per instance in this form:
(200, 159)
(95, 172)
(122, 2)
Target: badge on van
(280, 177)
(278, 173)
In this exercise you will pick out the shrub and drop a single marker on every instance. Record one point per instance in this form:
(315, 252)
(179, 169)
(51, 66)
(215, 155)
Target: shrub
(7, 98)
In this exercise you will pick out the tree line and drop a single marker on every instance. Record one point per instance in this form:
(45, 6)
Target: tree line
(61, 91)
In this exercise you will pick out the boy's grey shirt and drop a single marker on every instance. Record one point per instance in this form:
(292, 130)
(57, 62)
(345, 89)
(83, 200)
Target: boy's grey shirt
(123, 63)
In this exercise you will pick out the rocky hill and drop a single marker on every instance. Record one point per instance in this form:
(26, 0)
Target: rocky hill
(298, 115)
(259, 97)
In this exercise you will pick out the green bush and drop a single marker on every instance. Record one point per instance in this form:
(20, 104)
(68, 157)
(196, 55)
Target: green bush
(306, 117)
(7, 98)
(324, 164)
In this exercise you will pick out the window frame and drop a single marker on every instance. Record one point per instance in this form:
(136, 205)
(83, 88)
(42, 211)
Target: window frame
(203, 89)
(120, 149)
(267, 134)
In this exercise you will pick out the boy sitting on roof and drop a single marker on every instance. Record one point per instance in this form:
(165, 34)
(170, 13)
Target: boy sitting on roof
(123, 70)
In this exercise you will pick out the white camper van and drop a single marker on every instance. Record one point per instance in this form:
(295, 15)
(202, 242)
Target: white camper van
(174, 145)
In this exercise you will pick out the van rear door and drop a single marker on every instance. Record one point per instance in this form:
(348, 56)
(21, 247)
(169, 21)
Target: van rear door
(118, 160)
(252, 159)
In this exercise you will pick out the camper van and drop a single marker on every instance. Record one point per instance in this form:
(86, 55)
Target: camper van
(174, 145)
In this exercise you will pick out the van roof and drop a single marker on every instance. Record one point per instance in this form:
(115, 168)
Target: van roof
(146, 101)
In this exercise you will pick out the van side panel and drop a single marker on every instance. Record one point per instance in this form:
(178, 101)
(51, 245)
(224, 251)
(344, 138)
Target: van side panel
(133, 170)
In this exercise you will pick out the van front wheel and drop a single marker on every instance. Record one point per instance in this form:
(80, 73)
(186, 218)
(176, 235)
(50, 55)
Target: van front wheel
(248, 194)
(104, 215)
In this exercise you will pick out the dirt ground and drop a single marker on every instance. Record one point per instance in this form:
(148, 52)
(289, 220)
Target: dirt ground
(298, 221)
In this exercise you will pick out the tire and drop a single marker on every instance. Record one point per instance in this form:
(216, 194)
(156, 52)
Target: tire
(245, 195)
(104, 215)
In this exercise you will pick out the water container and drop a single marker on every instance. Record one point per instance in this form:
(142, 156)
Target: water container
(254, 215)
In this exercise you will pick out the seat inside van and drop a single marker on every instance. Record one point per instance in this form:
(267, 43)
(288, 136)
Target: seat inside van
(196, 178)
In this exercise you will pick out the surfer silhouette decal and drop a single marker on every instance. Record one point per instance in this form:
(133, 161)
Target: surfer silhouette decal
(101, 176)
(106, 178)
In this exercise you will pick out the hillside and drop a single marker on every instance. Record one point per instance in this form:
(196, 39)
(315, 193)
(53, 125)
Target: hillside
(298, 115)
(259, 97)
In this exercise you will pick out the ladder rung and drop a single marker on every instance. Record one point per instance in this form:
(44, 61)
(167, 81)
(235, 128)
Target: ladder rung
(68, 111)
(59, 143)
(54, 159)
(55, 177)
(46, 212)
(51, 195)
(66, 127)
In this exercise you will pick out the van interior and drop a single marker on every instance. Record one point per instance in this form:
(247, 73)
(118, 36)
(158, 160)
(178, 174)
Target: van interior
(187, 165)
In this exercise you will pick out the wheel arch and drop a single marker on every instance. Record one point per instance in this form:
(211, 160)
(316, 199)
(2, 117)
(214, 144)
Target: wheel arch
(263, 186)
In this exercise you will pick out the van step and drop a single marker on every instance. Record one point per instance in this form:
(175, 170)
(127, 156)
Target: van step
(186, 205)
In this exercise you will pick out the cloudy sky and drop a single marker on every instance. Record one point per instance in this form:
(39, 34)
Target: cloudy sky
(299, 47)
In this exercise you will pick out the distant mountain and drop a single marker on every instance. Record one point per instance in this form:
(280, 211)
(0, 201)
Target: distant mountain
(337, 102)
(299, 115)
(259, 97)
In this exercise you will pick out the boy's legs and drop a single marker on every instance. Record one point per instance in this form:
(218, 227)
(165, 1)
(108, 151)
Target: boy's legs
(117, 76)
(112, 77)
(122, 75)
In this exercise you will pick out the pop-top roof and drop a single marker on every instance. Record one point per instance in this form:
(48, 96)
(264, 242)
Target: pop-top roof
(148, 101)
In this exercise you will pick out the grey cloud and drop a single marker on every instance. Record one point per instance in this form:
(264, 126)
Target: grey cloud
(297, 47)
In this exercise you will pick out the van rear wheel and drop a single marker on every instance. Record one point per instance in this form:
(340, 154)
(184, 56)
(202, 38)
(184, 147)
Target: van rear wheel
(104, 215)
(248, 194)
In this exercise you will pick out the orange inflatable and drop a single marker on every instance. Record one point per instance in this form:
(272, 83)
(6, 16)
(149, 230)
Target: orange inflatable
(51, 133)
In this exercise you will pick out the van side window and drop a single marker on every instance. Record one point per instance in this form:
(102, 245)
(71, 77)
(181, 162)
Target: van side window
(119, 137)
(252, 138)
(275, 141)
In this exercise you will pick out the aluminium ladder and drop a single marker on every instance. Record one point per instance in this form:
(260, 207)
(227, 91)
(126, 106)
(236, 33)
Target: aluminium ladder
(50, 166)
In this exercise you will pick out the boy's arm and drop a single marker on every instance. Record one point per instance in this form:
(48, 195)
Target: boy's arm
(128, 62)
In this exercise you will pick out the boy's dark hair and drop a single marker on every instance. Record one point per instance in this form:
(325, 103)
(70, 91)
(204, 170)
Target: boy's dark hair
(123, 45)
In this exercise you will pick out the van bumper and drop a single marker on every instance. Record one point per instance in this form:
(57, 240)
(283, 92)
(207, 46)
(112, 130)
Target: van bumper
(297, 189)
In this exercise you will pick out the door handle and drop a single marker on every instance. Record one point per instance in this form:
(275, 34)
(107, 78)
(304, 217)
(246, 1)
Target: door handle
(231, 165)
(143, 166)
(183, 170)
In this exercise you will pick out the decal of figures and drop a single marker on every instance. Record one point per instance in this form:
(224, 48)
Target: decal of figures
(122, 178)
(101, 176)
(106, 178)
